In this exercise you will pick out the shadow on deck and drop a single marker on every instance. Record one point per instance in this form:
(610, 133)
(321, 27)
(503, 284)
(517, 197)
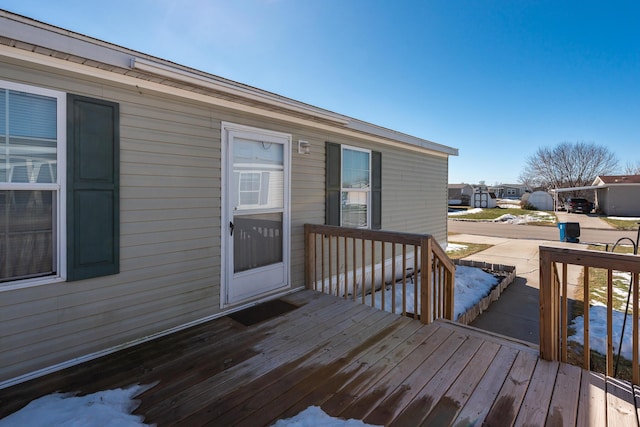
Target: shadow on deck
(354, 362)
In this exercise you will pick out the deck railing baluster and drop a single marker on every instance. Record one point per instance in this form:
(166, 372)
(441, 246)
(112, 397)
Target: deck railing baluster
(634, 329)
(610, 351)
(346, 269)
(404, 279)
(586, 315)
(393, 278)
(432, 272)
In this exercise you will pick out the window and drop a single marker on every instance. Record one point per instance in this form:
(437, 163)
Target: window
(31, 135)
(59, 186)
(353, 187)
(249, 188)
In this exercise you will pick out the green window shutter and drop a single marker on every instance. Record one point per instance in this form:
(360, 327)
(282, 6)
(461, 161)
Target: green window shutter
(333, 183)
(93, 193)
(376, 190)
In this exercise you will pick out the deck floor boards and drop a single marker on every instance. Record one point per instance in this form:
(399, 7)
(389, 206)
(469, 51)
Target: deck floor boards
(352, 361)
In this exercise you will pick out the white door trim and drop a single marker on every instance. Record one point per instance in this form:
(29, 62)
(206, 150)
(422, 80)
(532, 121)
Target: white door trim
(226, 215)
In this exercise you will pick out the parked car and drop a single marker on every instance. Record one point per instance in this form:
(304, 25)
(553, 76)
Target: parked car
(575, 204)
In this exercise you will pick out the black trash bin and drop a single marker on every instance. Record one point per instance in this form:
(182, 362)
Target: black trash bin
(569, 232)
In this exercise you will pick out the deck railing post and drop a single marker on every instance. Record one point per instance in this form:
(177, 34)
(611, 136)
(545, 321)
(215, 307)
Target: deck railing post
(549, 292)
(426, 270)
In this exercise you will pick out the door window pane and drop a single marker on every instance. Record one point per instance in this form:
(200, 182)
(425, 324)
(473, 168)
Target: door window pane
(257, 241)
(258, 174)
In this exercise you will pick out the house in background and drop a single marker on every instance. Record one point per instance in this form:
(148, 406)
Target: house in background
(617, 195)
(509, 191)
(460, 194)
(141, 197)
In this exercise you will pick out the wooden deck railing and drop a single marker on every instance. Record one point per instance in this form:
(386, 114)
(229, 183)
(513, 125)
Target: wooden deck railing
(554, 306)
(373, 267)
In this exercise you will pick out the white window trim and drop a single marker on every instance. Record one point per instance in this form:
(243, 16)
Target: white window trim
(61, 187)
(367, 190)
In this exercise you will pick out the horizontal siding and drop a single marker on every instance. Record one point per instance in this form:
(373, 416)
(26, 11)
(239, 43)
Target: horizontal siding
(170, 176)
(414, 192)
(170, 236)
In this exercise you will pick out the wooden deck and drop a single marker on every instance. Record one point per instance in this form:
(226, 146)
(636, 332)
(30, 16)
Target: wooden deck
(354, 362)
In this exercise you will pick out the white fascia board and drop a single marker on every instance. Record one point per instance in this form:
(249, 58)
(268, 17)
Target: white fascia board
(57, 39)
(399, 136)
(564, 190)
(595, 187)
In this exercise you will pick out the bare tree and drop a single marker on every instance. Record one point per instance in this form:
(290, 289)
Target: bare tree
(631, 169)
(568, 165)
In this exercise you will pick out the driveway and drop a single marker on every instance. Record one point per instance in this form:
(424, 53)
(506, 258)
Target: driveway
(585, 220)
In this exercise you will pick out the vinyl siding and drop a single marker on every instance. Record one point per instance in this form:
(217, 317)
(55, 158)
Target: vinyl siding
(170, 236)
(170, 227)
(619, 200)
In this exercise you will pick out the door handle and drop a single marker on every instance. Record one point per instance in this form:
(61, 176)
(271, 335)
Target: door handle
(231, 226)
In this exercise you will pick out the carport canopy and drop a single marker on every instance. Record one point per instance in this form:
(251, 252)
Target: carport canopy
(555, 192)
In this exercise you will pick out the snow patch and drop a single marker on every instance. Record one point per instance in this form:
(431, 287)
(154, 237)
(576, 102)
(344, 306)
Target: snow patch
(598, 331)
(313, 416)
(455, 247)
(110, 408)
(471, 285)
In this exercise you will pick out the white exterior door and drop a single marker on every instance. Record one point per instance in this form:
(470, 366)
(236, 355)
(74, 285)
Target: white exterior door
(255, 220)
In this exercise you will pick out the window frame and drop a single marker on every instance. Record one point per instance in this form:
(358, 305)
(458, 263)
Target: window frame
(59, 188)
(366, 190)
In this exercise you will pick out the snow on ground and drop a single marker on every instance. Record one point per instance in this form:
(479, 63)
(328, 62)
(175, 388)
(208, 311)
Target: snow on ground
(598, 331)
(471, 285)
(110, 408)
(313, 416)
(623, 218)
(454, 247)
(534, 216)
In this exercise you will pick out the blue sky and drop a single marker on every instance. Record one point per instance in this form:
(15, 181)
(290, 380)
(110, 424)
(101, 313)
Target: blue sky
(495, 79)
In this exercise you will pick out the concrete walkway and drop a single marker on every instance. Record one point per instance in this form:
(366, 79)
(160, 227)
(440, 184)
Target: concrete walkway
(516, 314)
